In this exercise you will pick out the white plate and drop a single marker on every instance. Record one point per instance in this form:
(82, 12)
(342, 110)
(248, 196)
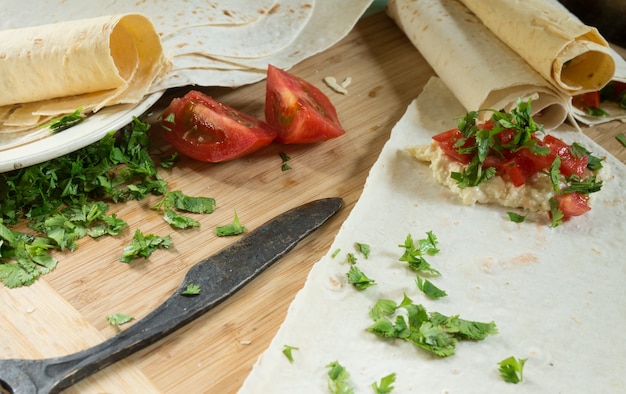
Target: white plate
(87, 132)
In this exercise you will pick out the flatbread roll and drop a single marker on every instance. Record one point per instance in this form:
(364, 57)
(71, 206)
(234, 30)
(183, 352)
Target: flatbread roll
(571, 55)
(481, 71)
(88, 63)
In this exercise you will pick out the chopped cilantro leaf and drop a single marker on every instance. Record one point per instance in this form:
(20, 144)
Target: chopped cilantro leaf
(586, 186)
(338, 379)
(191, 290)
(168, 162)
(555, 213)
(428, 288)
(512, 369)
(414, 252)
(516, 217)
(386, 384)
(288, 352)
(117, 319)
(285, 158)
(177, 220)
(234, 228)
(555, 173)
(143, 246)
(358, 279)
(621, 138)
(364, 249)
(351, 257)
(66, 121)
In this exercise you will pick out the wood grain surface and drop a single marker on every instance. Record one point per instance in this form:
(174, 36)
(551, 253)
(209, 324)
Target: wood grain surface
(65, 310)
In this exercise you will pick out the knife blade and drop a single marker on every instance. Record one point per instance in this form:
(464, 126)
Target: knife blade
(218, 277)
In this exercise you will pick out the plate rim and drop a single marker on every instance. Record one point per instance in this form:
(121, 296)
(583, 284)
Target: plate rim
(76, 137)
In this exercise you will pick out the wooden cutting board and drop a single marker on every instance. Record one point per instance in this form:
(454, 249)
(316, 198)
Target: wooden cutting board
(65, 310)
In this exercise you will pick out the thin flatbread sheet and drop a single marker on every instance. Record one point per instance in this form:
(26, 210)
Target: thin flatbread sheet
(270, 33)
(168, 16)
(482, 71)
(329, 23)
(571, 55)
(555, 294)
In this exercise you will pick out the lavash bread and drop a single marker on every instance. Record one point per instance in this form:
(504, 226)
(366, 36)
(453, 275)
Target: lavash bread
(89, 63)
(569, 54)
(482, 71)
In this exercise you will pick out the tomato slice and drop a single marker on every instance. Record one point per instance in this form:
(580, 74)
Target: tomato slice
(300, 112)
(573, 204)
(202, 128)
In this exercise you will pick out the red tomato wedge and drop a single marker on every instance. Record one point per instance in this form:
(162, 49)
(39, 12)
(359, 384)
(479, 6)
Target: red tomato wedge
(300, 112)
(202, 128)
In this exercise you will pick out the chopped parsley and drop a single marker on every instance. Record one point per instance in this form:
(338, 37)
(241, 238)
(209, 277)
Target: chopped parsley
(191, 290)
(555, 213)
(175, 201)
(285, 158)
(512, 369)
(414, 252)
(358, 279)
(143, 246)
(432, 331)
(234, 228)
(351, 258)
(621, 138)
(66, 121)
(338, 379)
(364, 249)
(385, 385)
(117, 319)
(428, 288)
(288, 352)
(516, 217)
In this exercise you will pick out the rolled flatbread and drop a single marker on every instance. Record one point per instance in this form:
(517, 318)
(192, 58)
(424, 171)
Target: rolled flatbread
(88, 63)
(481, 71)
(568, 53)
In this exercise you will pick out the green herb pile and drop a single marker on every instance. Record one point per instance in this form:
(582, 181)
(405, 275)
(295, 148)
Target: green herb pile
(65, 199)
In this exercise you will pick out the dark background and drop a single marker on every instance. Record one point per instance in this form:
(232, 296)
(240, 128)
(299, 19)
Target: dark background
(608, 16)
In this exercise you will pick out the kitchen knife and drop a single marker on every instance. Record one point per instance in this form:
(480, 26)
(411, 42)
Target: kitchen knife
(218, 277)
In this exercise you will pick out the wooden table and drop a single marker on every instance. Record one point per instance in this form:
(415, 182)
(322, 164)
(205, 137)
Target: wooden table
(65, 310)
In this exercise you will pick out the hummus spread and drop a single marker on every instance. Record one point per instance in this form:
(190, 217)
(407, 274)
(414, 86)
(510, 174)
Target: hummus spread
(533, 196)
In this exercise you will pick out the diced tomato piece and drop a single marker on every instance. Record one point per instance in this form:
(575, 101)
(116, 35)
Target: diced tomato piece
(573, 204)
(447, 140)
(300, 112)
(486, 125)
(506, 136)
(202, 128)
(570, 164)
(495, 162)
(518, 170)
(515, 173)
(539, 162)
(587, 100)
